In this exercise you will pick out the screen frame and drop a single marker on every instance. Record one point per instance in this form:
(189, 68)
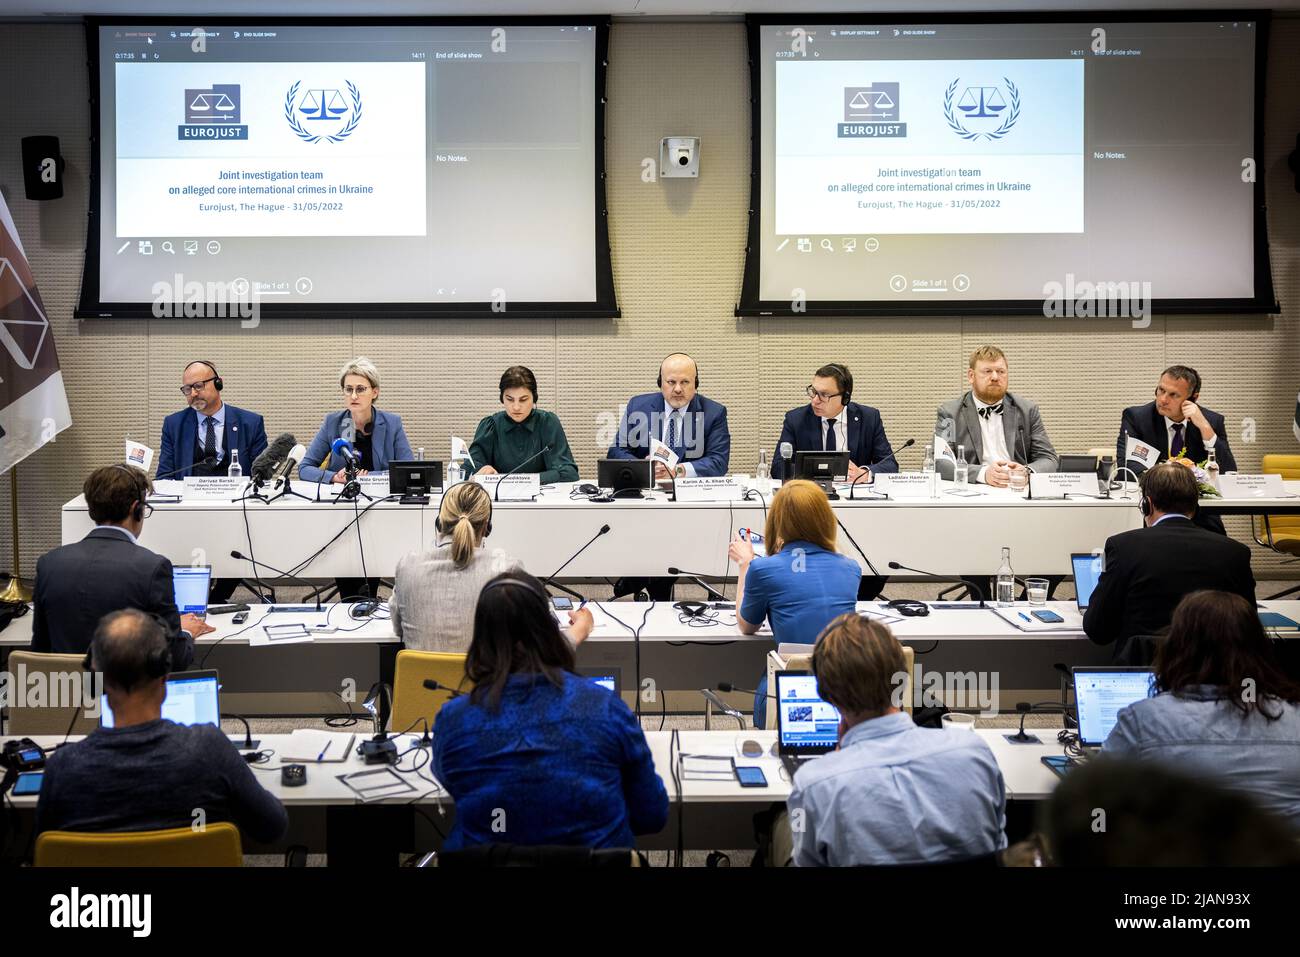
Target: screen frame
(751, 306)
(605, 306)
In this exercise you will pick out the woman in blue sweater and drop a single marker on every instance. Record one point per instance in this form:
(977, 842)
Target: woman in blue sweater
(536, 754)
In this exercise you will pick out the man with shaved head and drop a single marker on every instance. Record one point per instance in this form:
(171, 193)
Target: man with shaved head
(695, 428)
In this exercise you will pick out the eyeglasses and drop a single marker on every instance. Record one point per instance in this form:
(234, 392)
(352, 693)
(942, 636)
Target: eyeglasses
(148, 509)
(187, 389)
(824, 396)
(356, 389)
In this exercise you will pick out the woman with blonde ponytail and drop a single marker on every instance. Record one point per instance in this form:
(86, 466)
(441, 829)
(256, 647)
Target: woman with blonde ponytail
(435, 593)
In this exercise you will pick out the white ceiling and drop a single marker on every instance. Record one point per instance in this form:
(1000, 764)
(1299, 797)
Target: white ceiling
(168, 9)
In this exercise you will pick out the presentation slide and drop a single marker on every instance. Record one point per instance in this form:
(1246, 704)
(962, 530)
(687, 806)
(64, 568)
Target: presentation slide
(1013, 166)
(403, 165)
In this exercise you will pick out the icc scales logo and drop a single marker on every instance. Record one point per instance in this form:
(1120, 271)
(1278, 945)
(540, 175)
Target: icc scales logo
(989, 113)
(323, 113)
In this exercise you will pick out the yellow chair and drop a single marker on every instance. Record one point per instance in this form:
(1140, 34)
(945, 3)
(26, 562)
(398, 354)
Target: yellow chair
(65, 680)
(1280, 533)
(217, 845)
(412, 702)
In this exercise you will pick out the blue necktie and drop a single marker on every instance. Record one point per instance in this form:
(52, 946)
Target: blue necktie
(210, 443)
(829, 444)
(1176, 444)
(675, 431)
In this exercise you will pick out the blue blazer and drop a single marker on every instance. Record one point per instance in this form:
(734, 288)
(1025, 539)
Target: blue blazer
(643, 419)
(245, 432)
(866, 433)
(388, 442)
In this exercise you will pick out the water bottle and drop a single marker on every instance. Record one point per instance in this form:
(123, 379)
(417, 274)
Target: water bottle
(1006, 580)
(454, 473)
(961, 471)
(927, 466)
(763, 472)
(419, 454)
(235, 471)
(1212, 470)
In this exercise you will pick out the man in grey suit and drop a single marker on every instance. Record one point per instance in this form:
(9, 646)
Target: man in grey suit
(1002, 433)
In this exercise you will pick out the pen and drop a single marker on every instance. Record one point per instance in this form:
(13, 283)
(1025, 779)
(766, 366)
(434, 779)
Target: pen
(1023, 615)
(321, 756)
(582, 604)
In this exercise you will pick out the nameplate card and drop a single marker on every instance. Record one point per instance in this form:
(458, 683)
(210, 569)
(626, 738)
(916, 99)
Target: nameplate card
(375, 484)
(210, 488)
(906, 484)
(1241, 485)
(1062, 484)
(523, 487)
(719, 488)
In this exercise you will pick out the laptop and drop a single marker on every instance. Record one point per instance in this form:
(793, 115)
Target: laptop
(611, 679)
(1087, 570)
(1100, 692)
(190, 585)
(807, 726)
(193, 697)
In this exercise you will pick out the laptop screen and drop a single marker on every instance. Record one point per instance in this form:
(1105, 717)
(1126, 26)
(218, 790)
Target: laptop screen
(611, 679)
(1087, 569)
(192, 698)
(806, 724)
(1100, 693)
(190, 583)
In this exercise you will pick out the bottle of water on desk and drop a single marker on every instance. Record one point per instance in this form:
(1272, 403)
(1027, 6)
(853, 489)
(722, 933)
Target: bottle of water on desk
(454, 473)
(235, 470)
(961, 471)
(927, 466)
(1212, 469)
(1006, 580)
(763, 473)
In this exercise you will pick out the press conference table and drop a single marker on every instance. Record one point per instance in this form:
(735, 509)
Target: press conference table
(324, 814)
(949, 535)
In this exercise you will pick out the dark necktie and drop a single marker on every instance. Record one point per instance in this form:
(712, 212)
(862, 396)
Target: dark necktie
(991, 410)
(1176, 443)
(210, 443)
(675, 431)
(829, 444)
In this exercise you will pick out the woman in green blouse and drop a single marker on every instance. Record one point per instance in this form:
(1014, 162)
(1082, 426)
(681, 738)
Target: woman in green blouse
(505, 440)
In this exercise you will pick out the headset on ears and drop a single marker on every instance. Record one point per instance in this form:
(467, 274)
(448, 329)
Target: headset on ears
(157, 665)
(141, 492)
(1144, 506)
(437, 519)
(659, 379)
(500, 582)
(216, 381)
(846, 377)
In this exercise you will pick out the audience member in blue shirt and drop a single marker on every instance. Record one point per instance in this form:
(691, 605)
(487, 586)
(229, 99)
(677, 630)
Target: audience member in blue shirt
(536, 754)
(893, 793)
(1225, 710)
(802, 583)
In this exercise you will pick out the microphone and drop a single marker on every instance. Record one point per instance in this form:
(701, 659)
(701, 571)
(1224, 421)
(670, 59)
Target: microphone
(240, 556)
(855, 544)
(711, 697)
(713, 592)
(296, 455)
(249, 743)
(496, 495)
(970, 583)
(786, 451)
(343, 449)
(207, 460)
(604, 530)
(893, 453)
(1025, 708)
(432, 685)
(270, 458)
(727, 687)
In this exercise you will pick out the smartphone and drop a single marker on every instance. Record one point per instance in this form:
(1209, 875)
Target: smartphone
(29, 782)
(562, 603)
(240, 617)
(1059, 764)
(1048, 617)
(750, 776)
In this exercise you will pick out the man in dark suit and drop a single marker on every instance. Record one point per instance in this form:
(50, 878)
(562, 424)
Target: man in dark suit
(695, 428)
(1176, 427)
(78, 584)
(1147, 571)
(1000, 432)
(831, 422)
(198, 440)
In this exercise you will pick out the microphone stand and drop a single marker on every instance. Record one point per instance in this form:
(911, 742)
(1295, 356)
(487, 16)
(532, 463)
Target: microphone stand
(240, 556)
(496, 493)
(288, 489)
(970, 583)
(713, 592)
(550, 579)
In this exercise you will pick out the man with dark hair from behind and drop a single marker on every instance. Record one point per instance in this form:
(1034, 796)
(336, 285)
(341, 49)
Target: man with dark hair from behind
(147, 773)
(1147, 571)
(1116, 812)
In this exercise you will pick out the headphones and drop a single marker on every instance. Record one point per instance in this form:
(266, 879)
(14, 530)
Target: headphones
(157, 665)
(141, 493)
(842, 374)
(1144, 506)
(909, 607)
(503, 582)
(216, 382)
(437, 521)
(659, 379)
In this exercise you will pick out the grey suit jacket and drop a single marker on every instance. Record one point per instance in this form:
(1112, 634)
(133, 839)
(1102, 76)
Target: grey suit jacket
(958, 424)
